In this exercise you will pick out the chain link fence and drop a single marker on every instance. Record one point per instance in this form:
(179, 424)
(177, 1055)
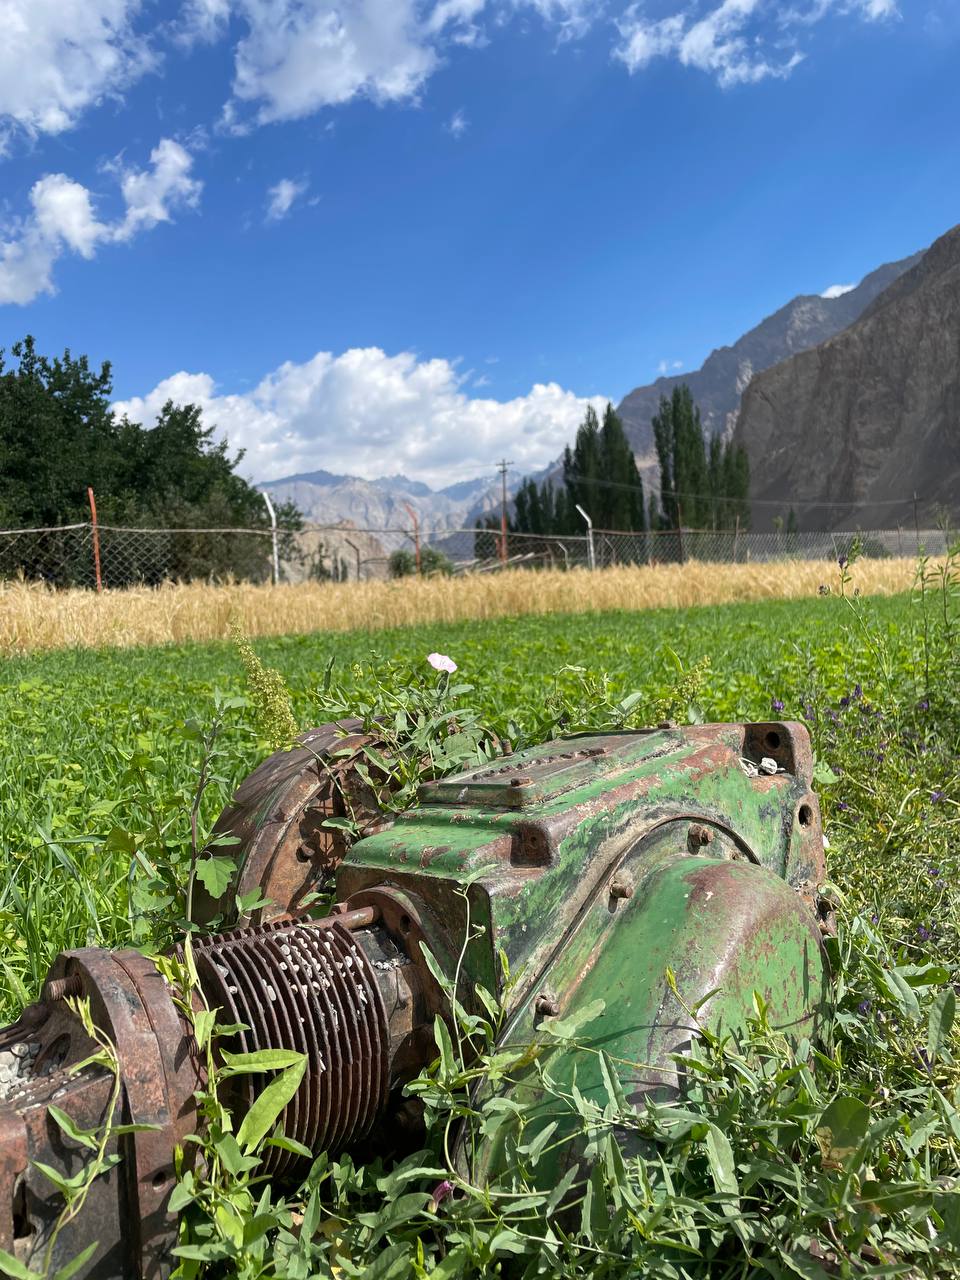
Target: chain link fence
(69, 555)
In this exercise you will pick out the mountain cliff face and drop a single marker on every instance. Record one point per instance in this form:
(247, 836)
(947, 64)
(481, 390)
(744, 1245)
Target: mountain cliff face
(718, 385)
(861, 422)
(325, 498)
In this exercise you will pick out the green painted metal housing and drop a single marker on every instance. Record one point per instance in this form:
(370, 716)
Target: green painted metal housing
(597, 863)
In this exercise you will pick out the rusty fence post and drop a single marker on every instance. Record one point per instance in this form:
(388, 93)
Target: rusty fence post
(96, 538)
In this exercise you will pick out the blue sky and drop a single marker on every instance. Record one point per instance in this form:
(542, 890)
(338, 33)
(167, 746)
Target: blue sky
(413, 235)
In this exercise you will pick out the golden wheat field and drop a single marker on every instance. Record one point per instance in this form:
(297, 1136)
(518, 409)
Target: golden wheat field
(33, 616)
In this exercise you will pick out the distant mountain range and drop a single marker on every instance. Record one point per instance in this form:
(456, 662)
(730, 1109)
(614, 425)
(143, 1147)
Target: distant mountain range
(839, 400)
(325, 498)
(718, 384)
(870, 416)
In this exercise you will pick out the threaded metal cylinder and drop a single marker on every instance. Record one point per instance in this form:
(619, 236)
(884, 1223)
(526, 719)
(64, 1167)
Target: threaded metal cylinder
(310, 988)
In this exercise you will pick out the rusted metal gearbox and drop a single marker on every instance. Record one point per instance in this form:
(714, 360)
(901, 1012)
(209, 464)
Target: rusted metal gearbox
(595, 864)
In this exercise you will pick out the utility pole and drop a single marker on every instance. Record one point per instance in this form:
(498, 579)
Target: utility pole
(502, 468)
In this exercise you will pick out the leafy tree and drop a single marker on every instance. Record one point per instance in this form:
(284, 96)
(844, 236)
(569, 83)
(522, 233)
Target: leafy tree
(704, 484)
(599, 474)
(58, 436)
(433, 563)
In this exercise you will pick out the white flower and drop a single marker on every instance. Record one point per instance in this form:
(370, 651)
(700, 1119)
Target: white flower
(440, 662)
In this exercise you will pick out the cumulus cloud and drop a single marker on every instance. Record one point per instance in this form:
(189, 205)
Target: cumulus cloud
(837, 290)
(59, 57)
(282, 197)
(297, 57)
(669, 366)
(732, 41)
(62, 219)
(368, 413)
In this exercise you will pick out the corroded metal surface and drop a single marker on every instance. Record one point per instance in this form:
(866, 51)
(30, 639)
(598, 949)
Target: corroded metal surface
(276, 823)
(660, 872)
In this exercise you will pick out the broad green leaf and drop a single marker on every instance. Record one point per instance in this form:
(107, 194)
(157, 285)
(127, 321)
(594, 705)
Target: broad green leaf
(268, 1106)
(261, 1060)
(215, 875)
(720, 1159)
(12, 1266)
(842, 1128)
(67, 1125)
(940, 1022)
(73, 1266)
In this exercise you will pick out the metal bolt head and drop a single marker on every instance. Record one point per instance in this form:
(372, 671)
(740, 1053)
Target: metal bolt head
(546, 1005)
(699, 835)
(621, 889)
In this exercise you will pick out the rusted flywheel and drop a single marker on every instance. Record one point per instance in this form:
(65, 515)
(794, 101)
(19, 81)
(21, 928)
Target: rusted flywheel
(276, 819)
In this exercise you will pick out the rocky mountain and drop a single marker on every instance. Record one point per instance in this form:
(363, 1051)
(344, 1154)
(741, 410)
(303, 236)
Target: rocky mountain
(859, 423)
(325, 498)
(719, 383)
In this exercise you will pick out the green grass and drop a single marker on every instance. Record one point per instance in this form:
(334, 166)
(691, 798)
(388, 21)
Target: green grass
(73, 722)
(96, 765)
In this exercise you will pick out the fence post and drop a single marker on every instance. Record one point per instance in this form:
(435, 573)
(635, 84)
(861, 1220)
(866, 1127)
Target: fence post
(273, 535)
(356, 550)
(416, 533)
(96, 537)
(591, 558)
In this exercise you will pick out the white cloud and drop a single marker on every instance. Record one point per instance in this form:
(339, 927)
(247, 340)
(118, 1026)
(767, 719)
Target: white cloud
(59, 57)
(669, 366)
(298, 56)
(730, 41)
(837, 290)
(282, 197)
(457, 125)
(62, 219)
(368, 413)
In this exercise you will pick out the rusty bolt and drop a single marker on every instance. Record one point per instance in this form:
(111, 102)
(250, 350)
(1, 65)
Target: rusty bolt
(667, 724)
(60, 988)
(546, 1005)
(520, 782)
(699, 835)
(620, 889)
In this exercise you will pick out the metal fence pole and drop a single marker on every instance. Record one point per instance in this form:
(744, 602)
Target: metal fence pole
(273, 536)
(96, 538)
(591, 558)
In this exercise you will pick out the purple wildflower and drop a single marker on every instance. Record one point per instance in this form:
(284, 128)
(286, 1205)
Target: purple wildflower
(936, 797)
(442, 1191)
(864, 1006)
(857, 691)
(776, 704)
(842, 804)
(923, 704)
(923, 933)
(842, 561)
(933, 871)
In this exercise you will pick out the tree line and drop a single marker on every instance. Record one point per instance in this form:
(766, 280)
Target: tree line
(704, 481)
(59, 436)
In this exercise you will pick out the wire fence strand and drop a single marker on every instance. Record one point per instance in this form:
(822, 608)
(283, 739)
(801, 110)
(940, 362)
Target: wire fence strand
(64, 555)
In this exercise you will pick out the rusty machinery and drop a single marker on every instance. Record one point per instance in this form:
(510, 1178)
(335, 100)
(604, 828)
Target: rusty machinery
(596, 863)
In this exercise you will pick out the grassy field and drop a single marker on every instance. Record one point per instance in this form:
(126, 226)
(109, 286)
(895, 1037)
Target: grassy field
(98, 770)
(33, 616)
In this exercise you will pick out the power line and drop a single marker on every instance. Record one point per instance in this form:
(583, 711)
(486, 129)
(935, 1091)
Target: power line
(761, 502)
